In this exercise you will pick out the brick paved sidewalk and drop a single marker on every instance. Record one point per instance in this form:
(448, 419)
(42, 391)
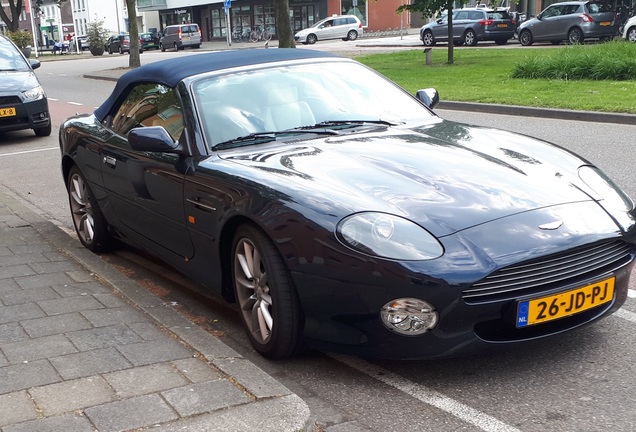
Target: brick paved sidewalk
(79, 354)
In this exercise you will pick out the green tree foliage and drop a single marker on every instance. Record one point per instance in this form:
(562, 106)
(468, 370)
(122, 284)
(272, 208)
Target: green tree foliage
(12, 17)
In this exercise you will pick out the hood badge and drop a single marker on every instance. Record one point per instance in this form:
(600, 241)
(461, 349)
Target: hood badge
(551, 225)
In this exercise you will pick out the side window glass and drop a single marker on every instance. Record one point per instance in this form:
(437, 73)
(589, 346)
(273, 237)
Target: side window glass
(149, 105)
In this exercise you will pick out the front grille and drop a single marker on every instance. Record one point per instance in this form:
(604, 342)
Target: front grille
(10, 100)
(550, 272)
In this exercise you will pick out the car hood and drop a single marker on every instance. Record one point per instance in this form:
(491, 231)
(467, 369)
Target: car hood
(17, 81)
(446, 177)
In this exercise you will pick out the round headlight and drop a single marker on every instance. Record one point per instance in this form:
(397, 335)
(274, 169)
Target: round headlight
(409, 316)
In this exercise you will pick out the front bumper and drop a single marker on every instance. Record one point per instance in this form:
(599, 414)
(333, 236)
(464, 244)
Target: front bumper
(29, 115)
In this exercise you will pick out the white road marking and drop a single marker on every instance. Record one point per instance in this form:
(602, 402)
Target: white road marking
(29, 151)
(631, 293)
(626, 315)
(431, 397)
(76, 103)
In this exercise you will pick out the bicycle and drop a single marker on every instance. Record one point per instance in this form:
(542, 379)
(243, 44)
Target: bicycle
(260, 34)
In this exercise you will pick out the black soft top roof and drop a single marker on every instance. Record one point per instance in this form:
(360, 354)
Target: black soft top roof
(170, 72)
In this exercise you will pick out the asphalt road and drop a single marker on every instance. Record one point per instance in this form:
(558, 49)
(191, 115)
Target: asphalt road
(582, 381)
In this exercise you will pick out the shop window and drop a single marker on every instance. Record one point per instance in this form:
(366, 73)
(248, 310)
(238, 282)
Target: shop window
(355, 7)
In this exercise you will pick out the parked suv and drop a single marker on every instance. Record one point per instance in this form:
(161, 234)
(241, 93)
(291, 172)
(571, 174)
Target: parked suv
(121, 44)
(470, 26)
(345, 27)
(573, 21)
(180, 36)
(23, 103)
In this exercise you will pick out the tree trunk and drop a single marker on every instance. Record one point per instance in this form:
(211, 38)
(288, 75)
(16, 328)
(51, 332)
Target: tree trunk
(451, 44)
(13, 19)
(283, 25)
(134, 61)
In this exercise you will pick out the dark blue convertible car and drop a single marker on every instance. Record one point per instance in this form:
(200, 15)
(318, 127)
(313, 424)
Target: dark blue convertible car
(339, 211)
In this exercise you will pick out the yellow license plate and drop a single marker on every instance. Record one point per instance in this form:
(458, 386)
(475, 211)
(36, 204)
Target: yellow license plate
(605, 23)
(7, 112)
(564, 304)
(502, 25)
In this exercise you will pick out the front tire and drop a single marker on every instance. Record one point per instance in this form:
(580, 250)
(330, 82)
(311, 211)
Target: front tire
(266, 296)
(525, 38)
(43, 131)
(88, 220)
(311, 39)
(631, 34)
(575, 36)
(162, 48)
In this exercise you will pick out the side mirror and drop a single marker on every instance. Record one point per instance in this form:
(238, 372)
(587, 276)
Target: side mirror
(34, 63)
(153, 139)
(429, 97)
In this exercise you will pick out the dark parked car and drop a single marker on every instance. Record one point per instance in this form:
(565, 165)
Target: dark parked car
(471, 26)
(572, 21)
(338, 210)
(121, 44)
(23, 103)
(150, 40)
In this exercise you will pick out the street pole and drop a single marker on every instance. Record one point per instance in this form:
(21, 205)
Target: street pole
(29, 10)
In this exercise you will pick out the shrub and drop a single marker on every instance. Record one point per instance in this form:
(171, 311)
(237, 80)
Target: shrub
(96, 36)
(22, 39)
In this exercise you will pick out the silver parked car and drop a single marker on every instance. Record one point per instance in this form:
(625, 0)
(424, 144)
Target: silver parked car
(345, 27)
(470, 26)
(629, 31)
(573, 21)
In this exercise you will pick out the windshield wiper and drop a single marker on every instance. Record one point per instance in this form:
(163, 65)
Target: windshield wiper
(265, 137)
(353, 123)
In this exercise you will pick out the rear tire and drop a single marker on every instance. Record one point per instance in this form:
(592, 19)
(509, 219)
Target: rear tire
(631, 34)
(352, 35)
(267, 299)
(525, 38)
(470, 38)
(88, 220)
(575, 36)
(428, 39)
(162, 48)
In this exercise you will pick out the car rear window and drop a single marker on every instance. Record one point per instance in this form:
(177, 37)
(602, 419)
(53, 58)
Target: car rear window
(189, 28)
(499, 15)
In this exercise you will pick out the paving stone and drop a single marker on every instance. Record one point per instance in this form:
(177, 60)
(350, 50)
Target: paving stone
(43, 280)
(55, 256)
(57, 324)
(103, 337)
(255, 381)
(205, 397)
(154, 352)
(28, 296)
(15, 271)
(65, 423)
(80, 288)
(36, 349)
(90, 363)
(110, 300)
(4, 251)
(37, 246)
(16, 407)
(145, 379)
(111, 316)
(68, 396)
(69, 304)
(23, 259)
(27, 375)
(20, 312)
(196, 370)
(55, 267)
(147, 331)
(130, 413)
(8, 285)
(11, 332)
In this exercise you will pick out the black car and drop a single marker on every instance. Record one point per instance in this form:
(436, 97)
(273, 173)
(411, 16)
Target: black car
(121, 44)
(471, 25)
(150, 40)
(339, 211)
(23, 102)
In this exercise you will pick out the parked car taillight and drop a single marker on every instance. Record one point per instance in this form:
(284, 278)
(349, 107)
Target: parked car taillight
(486, 22)
(587, 18)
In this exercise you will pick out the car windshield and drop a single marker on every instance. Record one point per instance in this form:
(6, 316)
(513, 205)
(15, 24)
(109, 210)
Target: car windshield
(10, 59)
(324, 97)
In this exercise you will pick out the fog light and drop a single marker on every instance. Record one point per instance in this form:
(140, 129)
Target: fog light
(409, 316)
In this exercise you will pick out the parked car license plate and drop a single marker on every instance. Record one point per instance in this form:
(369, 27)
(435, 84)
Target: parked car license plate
(502, 25)
(564, 304)
(7, 112)
(606, 23)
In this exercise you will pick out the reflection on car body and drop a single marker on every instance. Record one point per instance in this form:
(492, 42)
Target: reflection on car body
(340, 212)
